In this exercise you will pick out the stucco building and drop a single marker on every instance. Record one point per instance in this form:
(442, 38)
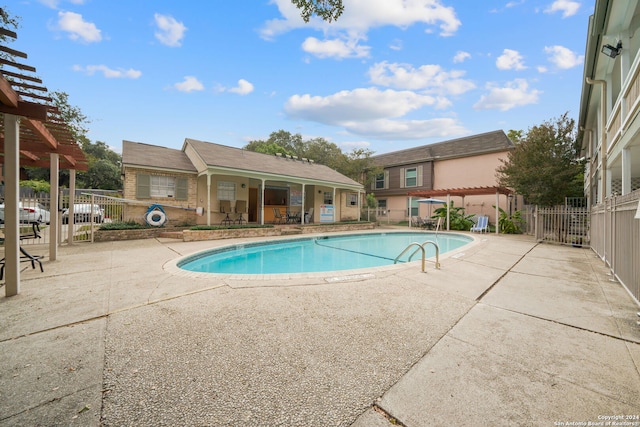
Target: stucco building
(464, 168)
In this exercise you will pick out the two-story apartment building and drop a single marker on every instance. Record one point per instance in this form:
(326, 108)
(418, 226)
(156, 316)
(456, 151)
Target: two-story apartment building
(464, 168)
(609, 108)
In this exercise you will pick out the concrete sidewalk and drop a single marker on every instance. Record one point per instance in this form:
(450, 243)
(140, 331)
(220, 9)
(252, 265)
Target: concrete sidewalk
(507, 332)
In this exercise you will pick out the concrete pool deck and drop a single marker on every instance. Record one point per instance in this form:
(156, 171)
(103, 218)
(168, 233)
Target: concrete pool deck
(507, 332)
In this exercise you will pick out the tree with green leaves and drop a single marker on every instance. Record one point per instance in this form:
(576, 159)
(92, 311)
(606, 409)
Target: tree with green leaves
(321, 151)
(328, 10)
(104, 164)
(544, 165)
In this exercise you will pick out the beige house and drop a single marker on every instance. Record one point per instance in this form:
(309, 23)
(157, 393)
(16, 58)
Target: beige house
(207, 183)
(463, 170)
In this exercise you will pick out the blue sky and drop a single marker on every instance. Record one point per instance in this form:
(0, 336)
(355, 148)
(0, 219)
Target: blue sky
(388, 75)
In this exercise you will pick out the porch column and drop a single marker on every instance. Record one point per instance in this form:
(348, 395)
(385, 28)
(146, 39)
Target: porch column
(72, 194)
(334, 204)
(302, 208)
(410, 205)
(54, 179)
(262, 202)
(208, 199)
(11, 217)
(626, 171)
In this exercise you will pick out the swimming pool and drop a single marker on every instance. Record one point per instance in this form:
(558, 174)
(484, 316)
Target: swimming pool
(318, 254)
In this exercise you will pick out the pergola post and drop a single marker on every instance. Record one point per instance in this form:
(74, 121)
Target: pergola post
(11, 217)
(72, 195)
(53, 209)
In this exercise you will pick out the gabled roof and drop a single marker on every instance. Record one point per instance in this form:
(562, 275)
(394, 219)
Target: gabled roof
(484, 143)
(153, 156)
(221, 156)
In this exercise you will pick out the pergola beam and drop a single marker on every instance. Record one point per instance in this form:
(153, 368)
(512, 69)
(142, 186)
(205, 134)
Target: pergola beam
(42, 132)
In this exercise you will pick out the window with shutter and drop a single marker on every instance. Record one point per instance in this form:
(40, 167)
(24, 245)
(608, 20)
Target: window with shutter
(182, 189)
(143, 186)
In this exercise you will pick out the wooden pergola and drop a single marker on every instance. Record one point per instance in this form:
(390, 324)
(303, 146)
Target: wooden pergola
(32, 133)
(462, 192)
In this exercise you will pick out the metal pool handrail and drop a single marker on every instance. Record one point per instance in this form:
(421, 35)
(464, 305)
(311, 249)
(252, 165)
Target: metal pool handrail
(420, 248)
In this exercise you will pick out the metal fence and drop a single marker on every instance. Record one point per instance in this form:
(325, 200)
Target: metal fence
(615, 237)
(37, 207)
(566, 224)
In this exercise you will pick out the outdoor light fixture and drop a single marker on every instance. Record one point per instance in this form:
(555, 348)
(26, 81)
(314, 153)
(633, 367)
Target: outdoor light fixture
(611, 51)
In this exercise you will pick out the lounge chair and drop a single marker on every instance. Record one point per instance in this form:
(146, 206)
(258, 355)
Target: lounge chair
(482, 225)
(241, 208)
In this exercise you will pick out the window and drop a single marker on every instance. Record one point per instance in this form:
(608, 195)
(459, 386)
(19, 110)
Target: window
(328, 198)
(413, 209)
(381, 181)
(226, 190)
(159, 186)
(411, 177)
(162, 186)
(352, 199)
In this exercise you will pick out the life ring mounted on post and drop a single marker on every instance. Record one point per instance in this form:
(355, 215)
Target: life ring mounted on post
(155, 216)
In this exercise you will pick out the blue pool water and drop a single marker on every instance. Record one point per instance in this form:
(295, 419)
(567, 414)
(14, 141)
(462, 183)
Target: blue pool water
(306, 255)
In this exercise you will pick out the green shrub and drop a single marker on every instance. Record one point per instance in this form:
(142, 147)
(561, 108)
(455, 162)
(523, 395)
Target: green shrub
(123, 225)
(510, 224)
(457, 219)
(226, 227)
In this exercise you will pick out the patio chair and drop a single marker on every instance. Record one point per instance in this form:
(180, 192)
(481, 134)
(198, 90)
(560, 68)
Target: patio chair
(293, 217)
(308, 217)
(225, 208)
(241, 207)
(417, 221)
(482, 225)
(277, 216)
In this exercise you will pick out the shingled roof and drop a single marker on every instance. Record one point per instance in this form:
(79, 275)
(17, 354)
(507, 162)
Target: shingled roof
(216, 155)
(153, 156)
(474, 145)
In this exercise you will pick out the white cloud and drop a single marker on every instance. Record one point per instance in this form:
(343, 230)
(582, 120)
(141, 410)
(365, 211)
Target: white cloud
(189, 84)
(78, 28)
(567, 7)
(171, 32)
(362, 15)
(510, 60)
(109, 73)
(337, 48)
(408, 129)
(430, 78)
(243, 88)
(371, 112)
(562, 57)
(513, 94)
(461, 56)
(53, 4)
(356, 105)
(396, 45)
